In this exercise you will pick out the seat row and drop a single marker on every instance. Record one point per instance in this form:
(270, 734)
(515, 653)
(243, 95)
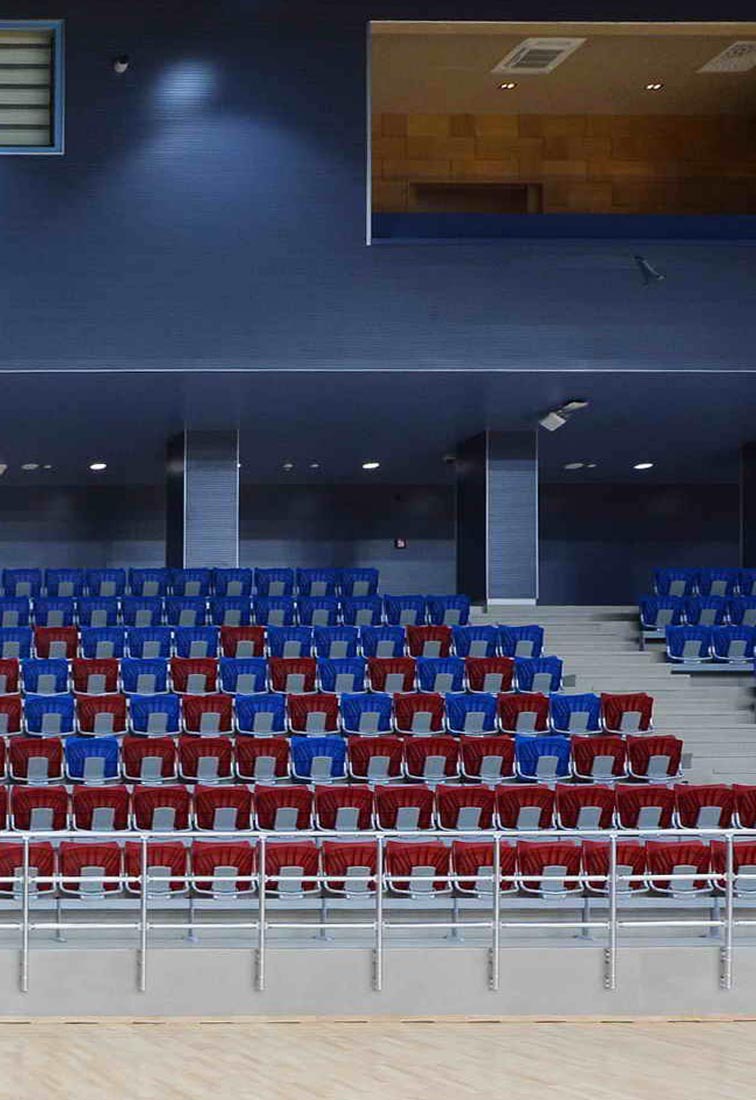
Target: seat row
(705, 582)
(659, 612)
(732, 645)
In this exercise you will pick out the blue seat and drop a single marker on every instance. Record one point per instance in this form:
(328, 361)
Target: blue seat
(14, 611)
(155, 715)
(689, 643)
(21, 582)
(196, 641)
(243, 675)
(658, 612)
(232, 583)
(733, 643)
(336, 641)
(318, 759)
(103, 641)
(575, 713)
(190, 582)
(475, 641)
(741, 610)
(358, 582)
(542, 758)
(186, 610)
(520, 641)
(144, 675)
(444, 674)
(106, 582)
(289, 641)
(747, 582)
(262, 715)
(705, 610)
(274, 582)
(45, 675)
(471, 714)
(718, 582)
(142, 610)
(274, 610)
(362, 610)
(54, 610)
(97, 610)
(231, 610)
(367, 714)
(64, 582)
(149, 582)
(49, 715)
(149, 641)
(318, 610)
(92, 759)
(447, 610)
(317, 582)
(404, 610)
(382, 641)
(15, 641)
(675, 582)
(342, 674)
(538, 673)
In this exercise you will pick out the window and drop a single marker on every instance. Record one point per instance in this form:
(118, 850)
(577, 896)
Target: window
(31, 87)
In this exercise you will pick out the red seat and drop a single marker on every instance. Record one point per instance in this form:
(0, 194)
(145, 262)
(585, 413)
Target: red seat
(242, 641)
(744, 798)
(544, 865)
(627, 712)
(9, 675)
(743, 863)
(598, 757)
(631, 860)
(262, 759)
(205, 759)
(56, 641)
(345, 863)
(283, 808)
(464, 807)
(472, 860)
(419, 712)
(167, 867)
(36, 760)
(85, 864)
(375, 759)
(223, 867)
(527, 713)
(292, 674)
(416, 868)
(406, 807)
(664, 857)
(101, 714)
(707, 806)
(161, 809)
(222, 808)
(95, 675)
(287, 863)
(41, 866)
(391, 674)
(584, 807)
(100, 808)
(644, 807)
(487, 758)
(657, 756)
(10, 714)
(3, 807)
(525, 806)
(429, 641)
(343, 807)
(315, 713)
(431, 758)
(148, 759)
(208, 714)
(493, 674)
(41, 808)
(194, 675)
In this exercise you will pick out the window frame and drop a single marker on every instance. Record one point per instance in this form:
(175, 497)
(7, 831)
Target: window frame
(57, 112)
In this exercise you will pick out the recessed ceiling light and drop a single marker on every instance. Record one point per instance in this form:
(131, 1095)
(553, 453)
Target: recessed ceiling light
(643, 465)
(591, 465)
(314, 465)
(655, 86)
(371, 465)
(288, 466)
(98, 467)
(508, 86)
(47, 466)
(574, 465)
(3, 468)
(30, 466)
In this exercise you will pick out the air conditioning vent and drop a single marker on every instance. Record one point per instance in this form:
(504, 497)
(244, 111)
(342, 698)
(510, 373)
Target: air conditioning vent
(537, 55)
(740, 57)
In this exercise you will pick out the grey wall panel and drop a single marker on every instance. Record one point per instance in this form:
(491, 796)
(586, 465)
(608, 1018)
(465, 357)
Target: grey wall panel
(211, 499)
(512, 516)
(471, 518)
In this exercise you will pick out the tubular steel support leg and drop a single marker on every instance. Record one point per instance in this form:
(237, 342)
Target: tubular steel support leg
(610, 955)
(725, 973)
(261, 929)
(493, 981)
(142, 968)
(378, 946)
(24, 975)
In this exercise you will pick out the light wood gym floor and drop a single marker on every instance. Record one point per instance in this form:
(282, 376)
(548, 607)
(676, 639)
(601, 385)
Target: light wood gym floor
(377, 1060)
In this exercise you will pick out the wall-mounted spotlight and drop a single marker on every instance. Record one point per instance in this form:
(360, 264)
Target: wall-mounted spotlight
(121, 63)
(557, 418)
(649, 274)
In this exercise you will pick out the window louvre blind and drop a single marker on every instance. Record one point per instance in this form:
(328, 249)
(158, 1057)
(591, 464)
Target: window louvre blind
(26, 88)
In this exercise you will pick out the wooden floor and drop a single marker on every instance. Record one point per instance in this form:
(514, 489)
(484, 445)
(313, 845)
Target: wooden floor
(378, 1060)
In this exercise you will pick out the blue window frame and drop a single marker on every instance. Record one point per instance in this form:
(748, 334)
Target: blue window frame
(32, 87)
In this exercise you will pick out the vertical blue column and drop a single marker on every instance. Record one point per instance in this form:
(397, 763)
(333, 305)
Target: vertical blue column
(748, 506)
(202, 499)
(512, 521)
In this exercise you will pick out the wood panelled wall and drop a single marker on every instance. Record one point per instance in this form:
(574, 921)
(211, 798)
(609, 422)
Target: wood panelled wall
(583, 163)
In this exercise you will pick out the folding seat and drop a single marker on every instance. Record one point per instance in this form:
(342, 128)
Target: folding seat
(105, 582)
(318, 610)
(475, 641)
(644, 807)
(208, 714)
(185, 611)
(488, 759)
(314, 713)
(223, 869)
(15, 642)
(97, 610)
(342, 674)
(743, 865)
(205, 759)
(733, 644)
(100, 808)
(101, 714)
(289, 641)
(718, 582)
(292, 674)
(10, 675)
(232, 583)
(464, 807)
(190, 582)
(405, 807)
(39, 808)
(391, 674)
(431, 759)
(419, 712)
(155, 715)
(148, 582)
(473, 866)
(404, 610)
(746, 582)
(291, 868)
(10, 714)
(375, 759)
(92, 759)
(489, 674)
(167, 867)
(262, 759)
(261, 715)
(630, 863)
(56, 642)
(283, 809)
(359, 582)
(36, 760)
(231, 611)
(628, 712)
(657, 757)
(54, 611)
(318, 759)
(90, 869)
(22, 582)
(447, 610)
(340, 807)
(584, 806)
(90, 676)
(243, 675)
(242, 641)
(274, 582)
(317, 582)
(142, 611)
(521, 641)
(194, 675)
(45, 676)
(542, 758)
(14, 611)
(196, 641)
(4, 796)
(549, 868)
(419, 870)
(98, 642)
(64, 582)
(523, 713)
(705, 610)
(274, 610)
(575, 713)
(148, 759)
(382, 641)
(362, 610)
(675, 582)
(686, 858)
(744, 805)
(471, 714)
(742, 611)
(49, 715)
(348, 866)
(524, 806)
(41, 868)
(429, 641)
(600, 757)
(222, 809)
(707, 806)
(161, 809)
(367, 714)
(144, 677)
(658, 612)
(538, 673)
(441, 674)
(335, 642)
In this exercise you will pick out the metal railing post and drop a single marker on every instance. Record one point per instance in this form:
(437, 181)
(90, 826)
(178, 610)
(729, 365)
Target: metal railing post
(378, 945)
(496, 926)
(725, 976)
(261, 929)
(610, 969)
(142, 970)
(24, 977)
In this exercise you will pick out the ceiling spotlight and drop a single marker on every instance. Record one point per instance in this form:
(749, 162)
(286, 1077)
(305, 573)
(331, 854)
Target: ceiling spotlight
(288, 466)
(314, 465)
(557, 418)
(574, 465)
(553, 420)
(508, 86)
(121, 63)
(655, 86)
(371, 465)
(591, 465)
(574, 406)
(47, 467)
(3, 468)
(643, 465)
(30, 466)
(98, 467)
